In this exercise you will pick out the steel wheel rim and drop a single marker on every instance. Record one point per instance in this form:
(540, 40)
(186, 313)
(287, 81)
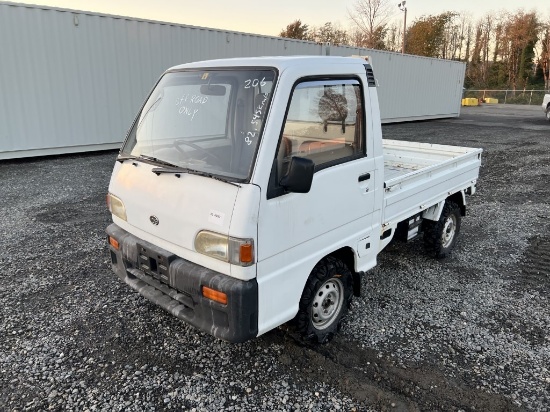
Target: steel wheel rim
(327, 303)
(449, 230)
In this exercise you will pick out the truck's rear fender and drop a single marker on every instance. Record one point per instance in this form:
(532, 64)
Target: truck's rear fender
(460, 199)
(434, 212)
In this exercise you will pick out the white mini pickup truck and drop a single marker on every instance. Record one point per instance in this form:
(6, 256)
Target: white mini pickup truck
(546, 106)
(252, 192)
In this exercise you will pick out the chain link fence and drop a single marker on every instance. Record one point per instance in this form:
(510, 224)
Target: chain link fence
(533, 97)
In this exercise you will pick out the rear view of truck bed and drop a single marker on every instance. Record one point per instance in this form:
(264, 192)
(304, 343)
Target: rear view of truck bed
(419, 175)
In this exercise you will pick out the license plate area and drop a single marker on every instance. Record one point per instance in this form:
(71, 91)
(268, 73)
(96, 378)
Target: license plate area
(154, 263)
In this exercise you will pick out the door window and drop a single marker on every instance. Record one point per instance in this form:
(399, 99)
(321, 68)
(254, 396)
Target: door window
(324, 123)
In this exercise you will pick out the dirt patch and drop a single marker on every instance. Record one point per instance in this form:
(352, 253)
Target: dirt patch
(73, 213)
(535, 271)
(376, 380)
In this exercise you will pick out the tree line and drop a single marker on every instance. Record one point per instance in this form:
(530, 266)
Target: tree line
(503, 50)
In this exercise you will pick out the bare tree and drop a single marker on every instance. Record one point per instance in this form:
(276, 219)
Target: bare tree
(465, 30)
(394, 37)
(468, 39)
(452, 41)
(371, 19)
(356, 37)
(544, 60)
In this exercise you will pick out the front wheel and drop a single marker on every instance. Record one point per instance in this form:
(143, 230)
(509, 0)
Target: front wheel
(325, 300)
(548, 112)
(440, 237)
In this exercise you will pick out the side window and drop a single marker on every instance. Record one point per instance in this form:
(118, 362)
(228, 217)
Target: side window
(324, 123)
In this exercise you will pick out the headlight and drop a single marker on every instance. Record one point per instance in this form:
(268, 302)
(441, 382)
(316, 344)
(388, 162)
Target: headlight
(116, 207)
(229, 249)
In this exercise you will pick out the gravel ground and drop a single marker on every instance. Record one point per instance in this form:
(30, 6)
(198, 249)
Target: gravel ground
(470, 332)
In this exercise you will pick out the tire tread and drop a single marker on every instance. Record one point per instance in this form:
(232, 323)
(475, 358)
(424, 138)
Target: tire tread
(433, 231)
(324, 270)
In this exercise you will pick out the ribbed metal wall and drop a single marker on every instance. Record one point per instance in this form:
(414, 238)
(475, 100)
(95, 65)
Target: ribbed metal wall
(73, 81)
(415, 88)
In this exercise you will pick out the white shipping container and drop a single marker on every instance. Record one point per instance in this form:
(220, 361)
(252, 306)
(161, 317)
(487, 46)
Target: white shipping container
(73, 81)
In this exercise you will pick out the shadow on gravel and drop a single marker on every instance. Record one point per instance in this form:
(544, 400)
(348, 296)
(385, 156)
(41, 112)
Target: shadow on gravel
(77, 212)
(371, 378)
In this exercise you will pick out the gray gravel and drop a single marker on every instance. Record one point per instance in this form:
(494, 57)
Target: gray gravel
(468, 332)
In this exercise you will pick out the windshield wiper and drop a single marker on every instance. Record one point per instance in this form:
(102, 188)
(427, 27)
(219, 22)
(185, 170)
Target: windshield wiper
(148, 159)
(177, 170)
(121, 158)
(156, 160)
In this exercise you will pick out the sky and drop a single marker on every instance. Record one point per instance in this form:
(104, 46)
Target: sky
(270, 18)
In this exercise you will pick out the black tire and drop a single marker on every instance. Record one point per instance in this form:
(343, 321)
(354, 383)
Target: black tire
(548, 112)
(440, 237)
(325, 300)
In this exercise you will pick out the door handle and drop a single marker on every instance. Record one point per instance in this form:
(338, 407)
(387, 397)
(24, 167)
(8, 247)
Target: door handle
(364, 177)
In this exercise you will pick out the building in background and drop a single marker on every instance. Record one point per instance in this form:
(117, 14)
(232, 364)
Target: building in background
(73, 81)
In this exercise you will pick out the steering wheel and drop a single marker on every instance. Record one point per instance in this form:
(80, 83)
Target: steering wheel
(177, 144)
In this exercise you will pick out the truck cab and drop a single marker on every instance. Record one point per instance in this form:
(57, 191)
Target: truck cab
(250, 192)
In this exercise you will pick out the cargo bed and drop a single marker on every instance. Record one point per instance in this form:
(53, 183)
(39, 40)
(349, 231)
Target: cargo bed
(419, 175)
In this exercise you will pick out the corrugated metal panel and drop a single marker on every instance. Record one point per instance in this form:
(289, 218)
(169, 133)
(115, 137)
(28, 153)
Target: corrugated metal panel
(73, 81)
(413, 87)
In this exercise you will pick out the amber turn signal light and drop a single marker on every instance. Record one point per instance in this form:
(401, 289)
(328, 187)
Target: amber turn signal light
(214, 295)
(113, 242)
(246, 253)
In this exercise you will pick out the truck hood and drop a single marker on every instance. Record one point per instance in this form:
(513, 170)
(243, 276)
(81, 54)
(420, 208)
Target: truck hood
(170, 208)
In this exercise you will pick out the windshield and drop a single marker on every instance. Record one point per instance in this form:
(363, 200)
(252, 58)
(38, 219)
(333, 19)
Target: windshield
(207, 120)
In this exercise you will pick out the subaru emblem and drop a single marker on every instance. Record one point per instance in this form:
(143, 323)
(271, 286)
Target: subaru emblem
(154, 220)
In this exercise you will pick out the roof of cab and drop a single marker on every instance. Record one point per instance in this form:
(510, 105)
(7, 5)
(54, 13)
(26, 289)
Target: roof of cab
(280, 62)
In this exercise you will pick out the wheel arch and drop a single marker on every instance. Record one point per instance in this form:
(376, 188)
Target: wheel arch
(440, 236)
(325, 299)
(460, 199)
(347, 256)
(433, 213)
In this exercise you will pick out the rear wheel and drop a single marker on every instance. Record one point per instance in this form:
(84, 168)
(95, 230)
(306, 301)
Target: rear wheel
(548, 112)
(325, 300)
(440, 237)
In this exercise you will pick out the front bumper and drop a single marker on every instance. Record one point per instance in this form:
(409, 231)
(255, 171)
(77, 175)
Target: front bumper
(176, 284)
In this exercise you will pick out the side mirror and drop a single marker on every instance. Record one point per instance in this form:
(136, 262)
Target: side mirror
(299, 176)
